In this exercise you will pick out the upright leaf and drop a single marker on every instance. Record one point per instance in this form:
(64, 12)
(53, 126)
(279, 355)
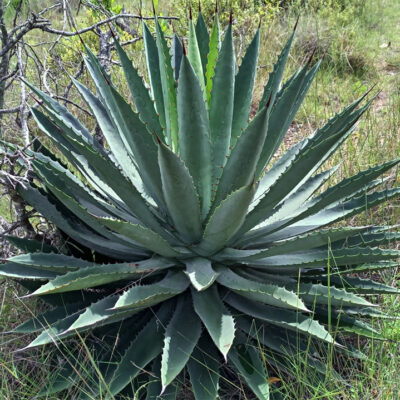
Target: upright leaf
(181, 337)
(221, 103)
(182, 200)
(212, 57)
(245, 357)
(139, 93)
(194, 55)
(244, 84)
(153, 69)
(203, 39)
(203, 369)
(240, 167)
(226, 220)
(168, 88)
(219, 323)
(194, 133)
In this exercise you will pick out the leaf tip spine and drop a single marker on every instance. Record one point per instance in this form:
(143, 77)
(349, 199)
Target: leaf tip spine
(190, 13)
(312, 56)
(158, 139)
(183, 48)
(111, 31)
(269, 101)
(231, 17)
(296, 23)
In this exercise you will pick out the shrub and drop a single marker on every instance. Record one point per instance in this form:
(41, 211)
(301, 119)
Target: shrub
(190, 252)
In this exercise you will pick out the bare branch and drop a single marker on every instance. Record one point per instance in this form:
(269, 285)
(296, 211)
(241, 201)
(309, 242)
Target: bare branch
(9, 110)
(100, 23)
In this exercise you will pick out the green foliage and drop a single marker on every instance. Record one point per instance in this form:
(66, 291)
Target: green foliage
(198, 265)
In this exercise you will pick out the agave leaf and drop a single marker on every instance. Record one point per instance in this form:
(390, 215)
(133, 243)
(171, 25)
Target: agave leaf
(265, 293)
(168, 89)
(336, 213)
(200, 272)
(277, 339)
(284, 342)
(337, 194)
(275, 77)
(345, 190)
(180, 195)
(282, 114)
(181, 336)
(177, 54)
(369, 239)
(203, 369)
(281, 165)
(320, 294)
(75, 154)
(72, 227)
(246, 360)
(48, 318)
(287, 246)
(361, 286)
(194, 133)
(226, 220)
(345, 323)
(140, 93)
(146, 295)
(154, 388)
(56, 331)
(354, 269)
(60, 113)
(219, 323)
(244, 84)
(146, 346)
(194, 56)
(153, 68)
(133, 132)
(212, 57)
(370, 312)
(114, 341)
(142, 235)
(284, 318)
(51, 261)
(30, 245)
(101, 274)
(103, 170)
(98, 314)
(222, 93)
(290, 205)
(305, 164)
(79, 211)
(240, 167)
(203, 40)
(12, 270)
(316, 258)
(62, 179)
(109, 130)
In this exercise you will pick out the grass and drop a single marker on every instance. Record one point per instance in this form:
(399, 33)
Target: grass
(360, 51)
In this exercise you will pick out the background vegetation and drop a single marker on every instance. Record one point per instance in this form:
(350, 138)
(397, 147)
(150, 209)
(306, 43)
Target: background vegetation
(359, 40)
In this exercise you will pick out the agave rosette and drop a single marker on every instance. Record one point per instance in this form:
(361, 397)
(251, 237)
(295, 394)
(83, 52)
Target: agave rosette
(192, 253)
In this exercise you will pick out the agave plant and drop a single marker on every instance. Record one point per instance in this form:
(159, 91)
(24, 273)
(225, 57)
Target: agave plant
(186, 245)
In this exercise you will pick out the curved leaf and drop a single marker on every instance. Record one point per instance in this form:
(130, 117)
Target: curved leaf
(182, 200)
(194, 133)
(181, 336)
(219, 323)
(200, 272)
